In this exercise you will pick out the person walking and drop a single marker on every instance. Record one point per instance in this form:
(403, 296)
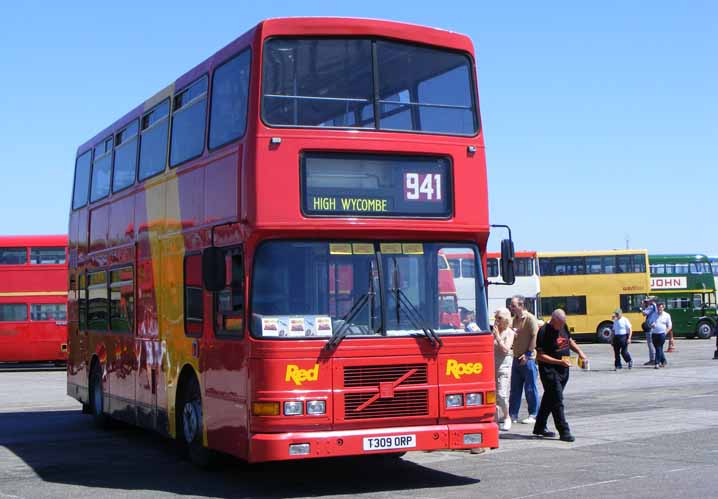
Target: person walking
(662, 327)
(622, 334)
(650, 312)
(553, 347)
(503, 358)
(524, 375)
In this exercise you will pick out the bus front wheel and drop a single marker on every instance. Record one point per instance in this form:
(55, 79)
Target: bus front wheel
(190, 428)
(704, 330)
(604, 332)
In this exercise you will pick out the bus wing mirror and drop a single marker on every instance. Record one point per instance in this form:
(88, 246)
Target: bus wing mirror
(507, 261)
(214, 271)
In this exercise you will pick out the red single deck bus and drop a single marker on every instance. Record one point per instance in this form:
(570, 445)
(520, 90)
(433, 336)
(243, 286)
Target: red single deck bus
(33, 298)
(253, 250)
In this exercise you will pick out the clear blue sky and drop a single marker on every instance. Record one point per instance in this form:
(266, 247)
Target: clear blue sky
(601, 121)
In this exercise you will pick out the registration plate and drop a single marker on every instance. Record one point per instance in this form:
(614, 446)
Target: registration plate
(392, 442)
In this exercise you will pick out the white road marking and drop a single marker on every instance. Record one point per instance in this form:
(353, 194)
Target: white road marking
(575, 487)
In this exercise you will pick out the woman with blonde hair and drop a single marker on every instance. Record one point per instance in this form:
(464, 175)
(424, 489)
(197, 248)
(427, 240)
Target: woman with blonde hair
(503, 358)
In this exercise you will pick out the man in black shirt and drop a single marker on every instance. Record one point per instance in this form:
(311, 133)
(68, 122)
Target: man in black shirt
(553, 347)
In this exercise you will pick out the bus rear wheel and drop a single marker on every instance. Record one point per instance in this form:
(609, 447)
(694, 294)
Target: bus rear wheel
(704, 330)
(604, 332)
(97, 397)
(190, 434)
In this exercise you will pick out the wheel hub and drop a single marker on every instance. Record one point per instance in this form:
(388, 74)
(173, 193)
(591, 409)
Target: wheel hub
(97, 396)
(191, 417)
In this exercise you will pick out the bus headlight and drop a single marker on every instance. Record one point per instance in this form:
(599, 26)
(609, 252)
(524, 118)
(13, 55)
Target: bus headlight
(474, 399)
(454, 400)
(293, 408)
(316, 407)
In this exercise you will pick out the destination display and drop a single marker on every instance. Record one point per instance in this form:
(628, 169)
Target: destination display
(344, 185)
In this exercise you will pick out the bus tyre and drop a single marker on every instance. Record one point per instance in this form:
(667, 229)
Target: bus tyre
(704, 330)
(604, 332)
(189, 430)
(97, 398)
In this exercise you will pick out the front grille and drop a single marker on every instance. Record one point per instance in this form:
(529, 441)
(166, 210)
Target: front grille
(404, 403)
(355, 376)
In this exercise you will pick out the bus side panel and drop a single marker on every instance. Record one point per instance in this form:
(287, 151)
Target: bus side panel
(146, 317)
(12, 346)
(225, 366)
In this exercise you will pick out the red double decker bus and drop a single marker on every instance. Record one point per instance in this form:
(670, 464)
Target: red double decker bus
(33, 298)
(254, 251)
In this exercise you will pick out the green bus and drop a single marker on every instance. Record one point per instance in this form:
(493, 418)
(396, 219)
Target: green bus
(685, 284)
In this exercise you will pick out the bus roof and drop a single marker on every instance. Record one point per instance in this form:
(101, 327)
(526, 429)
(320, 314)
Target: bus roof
(542, 254)
(678, 258)
(33, 240)
(293, 26)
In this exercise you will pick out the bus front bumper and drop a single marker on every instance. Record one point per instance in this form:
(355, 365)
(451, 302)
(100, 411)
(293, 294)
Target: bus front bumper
(303, 445)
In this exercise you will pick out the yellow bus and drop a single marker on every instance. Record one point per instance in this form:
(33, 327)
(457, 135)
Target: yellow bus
(590, 285)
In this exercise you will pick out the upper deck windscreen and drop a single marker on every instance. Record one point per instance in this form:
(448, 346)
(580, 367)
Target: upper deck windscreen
(363, 83)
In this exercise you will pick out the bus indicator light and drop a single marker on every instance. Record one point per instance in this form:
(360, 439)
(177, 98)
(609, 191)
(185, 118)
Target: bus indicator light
(265, 408)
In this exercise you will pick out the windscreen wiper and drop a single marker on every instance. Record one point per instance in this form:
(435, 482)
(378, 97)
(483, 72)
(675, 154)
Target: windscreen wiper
(410, 310)
(343, 330)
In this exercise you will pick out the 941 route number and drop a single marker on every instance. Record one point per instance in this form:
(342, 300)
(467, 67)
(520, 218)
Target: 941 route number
(393, 442)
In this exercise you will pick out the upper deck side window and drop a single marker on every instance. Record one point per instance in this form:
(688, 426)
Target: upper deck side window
(188, 122)
(125, 165)
(524, 266)
(101, 170)
(82, 180)
(700, 268)
(153, 140)
(230, 96)
(599, 264)
(47, 256)
(13, 256)
(362, 83)
(492, 267)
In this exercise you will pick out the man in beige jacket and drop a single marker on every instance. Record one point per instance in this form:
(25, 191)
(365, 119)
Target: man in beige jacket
(524, 374)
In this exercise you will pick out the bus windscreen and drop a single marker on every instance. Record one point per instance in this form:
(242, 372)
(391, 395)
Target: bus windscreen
(368, 288)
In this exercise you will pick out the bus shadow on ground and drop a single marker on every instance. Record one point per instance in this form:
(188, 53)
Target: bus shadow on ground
(62, 447)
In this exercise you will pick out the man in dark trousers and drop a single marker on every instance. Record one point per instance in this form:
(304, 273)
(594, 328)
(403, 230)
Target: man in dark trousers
(553, 347)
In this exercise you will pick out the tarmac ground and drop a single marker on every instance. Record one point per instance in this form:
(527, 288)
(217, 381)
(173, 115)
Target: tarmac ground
(639, 433)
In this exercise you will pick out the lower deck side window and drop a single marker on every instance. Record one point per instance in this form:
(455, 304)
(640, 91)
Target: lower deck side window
(48, 312)
(572, 305)
(13, 312)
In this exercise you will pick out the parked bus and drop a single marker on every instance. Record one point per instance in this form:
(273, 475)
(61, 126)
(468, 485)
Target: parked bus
(527, 281)
(33, 299)
(685, 283)
(207, 223)
(590, 285)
